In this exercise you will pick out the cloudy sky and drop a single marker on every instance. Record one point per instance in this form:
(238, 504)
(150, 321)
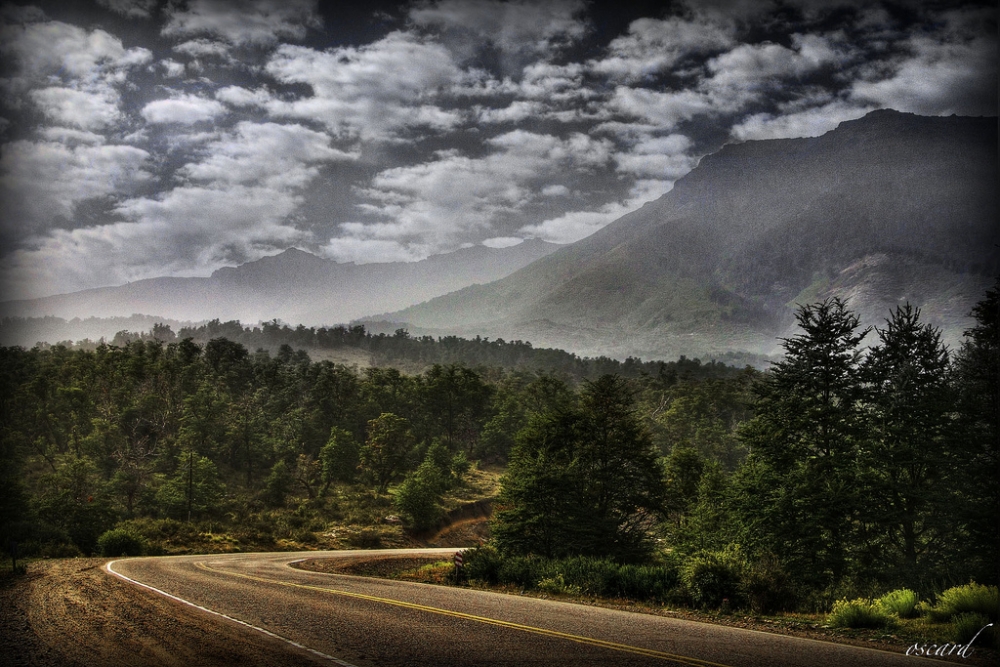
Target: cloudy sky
(141, 138)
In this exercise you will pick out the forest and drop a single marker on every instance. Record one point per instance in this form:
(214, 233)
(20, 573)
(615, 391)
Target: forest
(861, 462)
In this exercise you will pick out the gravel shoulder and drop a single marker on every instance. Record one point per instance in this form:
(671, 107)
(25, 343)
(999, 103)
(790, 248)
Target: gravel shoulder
(72, 613)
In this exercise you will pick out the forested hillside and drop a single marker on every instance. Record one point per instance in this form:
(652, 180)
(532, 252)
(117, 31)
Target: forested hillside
(226, 439)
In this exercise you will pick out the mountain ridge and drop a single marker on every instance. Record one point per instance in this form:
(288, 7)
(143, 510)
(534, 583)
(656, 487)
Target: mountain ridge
(904, 204)
(294, 286)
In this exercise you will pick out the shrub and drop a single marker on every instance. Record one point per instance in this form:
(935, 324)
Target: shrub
(558, 585)
(970, 624)
(482, 564)
(121, 542)
(765, 586)
(971, 597)
(712, 576)
(901, 602)
(859, 613)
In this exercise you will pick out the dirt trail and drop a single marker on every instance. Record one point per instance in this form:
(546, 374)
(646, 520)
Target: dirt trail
(73, 613)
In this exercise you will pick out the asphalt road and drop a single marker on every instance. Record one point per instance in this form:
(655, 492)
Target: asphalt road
(349, 620)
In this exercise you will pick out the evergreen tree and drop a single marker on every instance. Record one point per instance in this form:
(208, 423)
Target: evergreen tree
(386, 451)
(797, 492)
(907, 519)
(977, 439)
(582, 481)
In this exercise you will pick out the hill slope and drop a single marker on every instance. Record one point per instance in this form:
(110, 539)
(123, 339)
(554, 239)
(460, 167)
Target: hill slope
(884, 209)
(294, 286)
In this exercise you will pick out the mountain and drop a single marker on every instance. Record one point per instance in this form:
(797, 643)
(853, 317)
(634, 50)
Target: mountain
(294, 286)
(889, 208)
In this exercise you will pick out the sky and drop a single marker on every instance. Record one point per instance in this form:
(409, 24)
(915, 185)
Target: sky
(141, 138)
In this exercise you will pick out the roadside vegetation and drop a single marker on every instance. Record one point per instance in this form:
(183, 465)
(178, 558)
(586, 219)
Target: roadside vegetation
(853, 487)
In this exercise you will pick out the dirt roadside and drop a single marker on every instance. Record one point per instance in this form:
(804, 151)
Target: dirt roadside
(72, 613)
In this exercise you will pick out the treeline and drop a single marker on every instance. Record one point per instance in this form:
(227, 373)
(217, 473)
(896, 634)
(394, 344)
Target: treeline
(400, 348)
(163, 427)
(863, 472)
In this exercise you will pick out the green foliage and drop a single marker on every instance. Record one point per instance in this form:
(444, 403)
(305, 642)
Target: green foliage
(766, 586)
(121, 542)
(973, 627)
(581, 481)
(971, 597)
(193, 490)
(901, 602)
(713, 576)
(339, 457)
(859, 613)
(573, 576)
(419, 496)
(905, 469)
(385, 453)
(278, 484)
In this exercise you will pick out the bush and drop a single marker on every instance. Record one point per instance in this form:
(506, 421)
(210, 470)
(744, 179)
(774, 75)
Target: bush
(971, 597)
(714, 576)
(121, 542)
(577, 575)
(901, 602)
(859, 613)
(970, 624)
(765, 586)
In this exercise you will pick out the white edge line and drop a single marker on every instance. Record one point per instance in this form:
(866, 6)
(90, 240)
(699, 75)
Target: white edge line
(297, 645)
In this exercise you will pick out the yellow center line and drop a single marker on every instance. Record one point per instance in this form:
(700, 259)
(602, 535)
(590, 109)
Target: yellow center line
(625, 648)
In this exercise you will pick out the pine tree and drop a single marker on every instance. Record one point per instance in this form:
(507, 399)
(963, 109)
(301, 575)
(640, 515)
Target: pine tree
(797, 491)
(910, 405)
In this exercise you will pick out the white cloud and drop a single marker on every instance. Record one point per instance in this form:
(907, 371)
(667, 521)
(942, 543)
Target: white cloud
(372, 92)
(575, 225)
(660, 157)
(189, 231)
(68, 52)
(520, 29)
(280, 157)
(372, 251)
(136, 9)
(434, 206)
(555, 190)
(653, 46)
(42, 180)
(86, 110)
(67, 135)
(662, 109)
(503, 242)
(184, 109)
(171, 68)
(242, 97)
(243, 21)
(203, 48)
(937, 77)
(811, 122)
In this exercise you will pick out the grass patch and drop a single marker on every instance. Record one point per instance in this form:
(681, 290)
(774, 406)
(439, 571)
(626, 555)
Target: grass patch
(859, 613)
(901, 602)
(972, 626)
(971, 597)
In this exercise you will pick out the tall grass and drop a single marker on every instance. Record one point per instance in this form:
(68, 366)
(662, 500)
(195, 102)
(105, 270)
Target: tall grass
(859, 613)
(901, 602)
(971, 597)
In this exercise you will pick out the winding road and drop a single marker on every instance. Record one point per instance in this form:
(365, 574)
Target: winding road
(348, 620)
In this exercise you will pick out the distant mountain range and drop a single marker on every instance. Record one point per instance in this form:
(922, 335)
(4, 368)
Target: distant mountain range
(889, 208)
(294, 286)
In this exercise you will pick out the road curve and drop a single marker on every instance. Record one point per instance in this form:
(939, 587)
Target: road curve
(358, 621)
